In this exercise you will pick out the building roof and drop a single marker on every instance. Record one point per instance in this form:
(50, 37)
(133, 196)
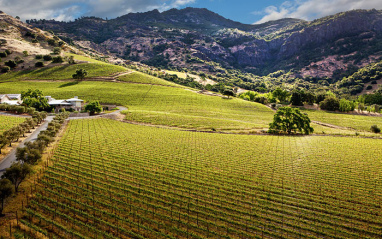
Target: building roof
(59, 102)
(11, 102)
(74, 99)
(14, 96)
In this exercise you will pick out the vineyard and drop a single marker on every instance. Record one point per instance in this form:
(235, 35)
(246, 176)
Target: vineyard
(63, 72)
(155, 104)
(7, 122)
(115, 180)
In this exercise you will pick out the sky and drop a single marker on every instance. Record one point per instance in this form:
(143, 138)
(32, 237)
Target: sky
(245, 11)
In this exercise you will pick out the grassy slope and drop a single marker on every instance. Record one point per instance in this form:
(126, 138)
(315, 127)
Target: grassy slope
(160, 104)
(357, 122)
(63, 72)
(167, 105)
(138, 77)
(261, 185)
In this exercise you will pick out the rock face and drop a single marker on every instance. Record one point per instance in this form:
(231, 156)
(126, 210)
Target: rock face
(185, 38)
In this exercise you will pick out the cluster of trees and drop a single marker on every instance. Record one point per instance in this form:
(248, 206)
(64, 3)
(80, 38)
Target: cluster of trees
(28, 156)
(93, 107)
(13, 134)
(35, 99)
(16, 109)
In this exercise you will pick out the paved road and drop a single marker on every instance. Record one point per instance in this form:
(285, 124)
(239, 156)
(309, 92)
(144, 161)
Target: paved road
(11, 157)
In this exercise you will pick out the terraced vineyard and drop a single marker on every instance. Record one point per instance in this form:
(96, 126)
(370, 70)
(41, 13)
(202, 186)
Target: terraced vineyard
(7, 122)
(116, 180)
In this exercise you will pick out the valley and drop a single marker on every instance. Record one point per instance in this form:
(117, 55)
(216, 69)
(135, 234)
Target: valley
(185, 150)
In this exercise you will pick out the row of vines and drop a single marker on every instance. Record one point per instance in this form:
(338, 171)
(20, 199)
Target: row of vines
(116, 180)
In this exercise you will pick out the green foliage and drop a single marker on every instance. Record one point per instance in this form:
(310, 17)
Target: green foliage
(12, 64)
(17, 173)
(228, 92)
(375, 129)
(39, 64)
(57, 59)
(248, 95)
(280, 94)
(290, 120)
(330, 103)
(56, 50)
(297, 98)
(47, 57)
(39, 57)
(94, 107)
(35, 99)
(346, 105)
(80, 74)
(3, 54)
(6, 190)
(5, 69)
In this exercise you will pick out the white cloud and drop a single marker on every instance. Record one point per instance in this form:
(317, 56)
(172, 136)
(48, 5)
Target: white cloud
(312, 9)
(65, 10)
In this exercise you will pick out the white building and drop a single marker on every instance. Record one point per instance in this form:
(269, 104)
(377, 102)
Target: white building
(73, 103)
(11, 99)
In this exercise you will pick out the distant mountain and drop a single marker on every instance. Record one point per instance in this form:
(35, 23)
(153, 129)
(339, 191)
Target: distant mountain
(198, 39)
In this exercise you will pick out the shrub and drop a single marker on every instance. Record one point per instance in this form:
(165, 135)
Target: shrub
(11, 63)
(56, 50)
(5, 69)
(374, 82)
(47, 57)
(38, 57)
(39, 64)
(330, 103)
(57, 59)
(8, 51)
(369, 87)
(375, 129)
(3, 54)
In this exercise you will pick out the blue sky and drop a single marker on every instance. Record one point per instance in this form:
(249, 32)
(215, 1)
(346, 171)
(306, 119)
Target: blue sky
(245, 11)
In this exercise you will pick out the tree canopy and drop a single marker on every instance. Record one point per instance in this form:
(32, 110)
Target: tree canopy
(290, 120)
(35, 99)
(80, 74)
(93, 107)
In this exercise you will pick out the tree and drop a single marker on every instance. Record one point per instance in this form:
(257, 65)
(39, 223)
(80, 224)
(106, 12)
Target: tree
(80, 74)
(3, 142)
(12, 64)
(297, 98)
(93, 107)
(330, 103)
(6, 190)
(17, 173)
(288, 120)
(228, 92)
(39, 64)
(280, 94)
(35, 99)
(56, 50)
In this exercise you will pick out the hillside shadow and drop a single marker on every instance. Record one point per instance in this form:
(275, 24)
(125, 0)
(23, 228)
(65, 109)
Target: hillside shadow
(69, 84)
